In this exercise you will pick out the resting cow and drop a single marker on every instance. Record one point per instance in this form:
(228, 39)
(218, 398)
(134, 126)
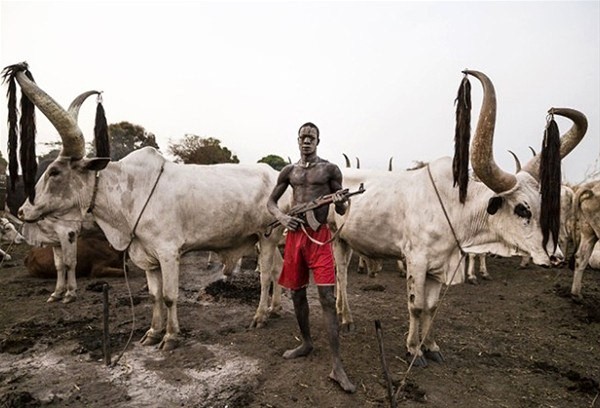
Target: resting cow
(157, 210)
(401, 213)
(95, 258)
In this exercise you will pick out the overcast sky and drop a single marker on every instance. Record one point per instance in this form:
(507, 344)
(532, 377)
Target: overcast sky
(378, 78)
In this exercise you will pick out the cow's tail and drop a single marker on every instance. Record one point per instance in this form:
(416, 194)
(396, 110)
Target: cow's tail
(550, 179)
(27, 128)
(462, 138)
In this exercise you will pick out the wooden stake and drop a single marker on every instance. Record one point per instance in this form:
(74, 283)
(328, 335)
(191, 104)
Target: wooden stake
(386, 374)
(105, 337)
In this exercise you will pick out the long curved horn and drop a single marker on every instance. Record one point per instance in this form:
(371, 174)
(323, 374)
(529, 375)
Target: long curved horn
(77, 102)
(482, 155)
(517, 161)
(390, 163)
(568, 141)
(357, 163)
(347, 160)
(63, 122)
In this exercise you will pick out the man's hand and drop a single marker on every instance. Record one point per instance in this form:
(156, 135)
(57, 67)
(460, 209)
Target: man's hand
(289, 222)
(339, 197)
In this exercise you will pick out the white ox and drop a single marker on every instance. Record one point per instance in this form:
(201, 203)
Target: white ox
(158, 210)
(9, 235)
(400, 214)
(587, 210)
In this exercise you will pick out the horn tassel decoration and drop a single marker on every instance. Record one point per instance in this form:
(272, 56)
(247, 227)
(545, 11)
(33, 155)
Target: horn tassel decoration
(101, 139)
(27, 152)
(462, 138)
(13, 127)
(27, 156)
(550, 178)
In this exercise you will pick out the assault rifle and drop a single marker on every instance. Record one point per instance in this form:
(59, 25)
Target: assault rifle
(314, 204)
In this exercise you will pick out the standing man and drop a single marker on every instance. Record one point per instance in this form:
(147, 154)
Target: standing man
(311, 178)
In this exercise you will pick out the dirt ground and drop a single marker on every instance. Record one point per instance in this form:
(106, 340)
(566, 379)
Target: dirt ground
(515, 341)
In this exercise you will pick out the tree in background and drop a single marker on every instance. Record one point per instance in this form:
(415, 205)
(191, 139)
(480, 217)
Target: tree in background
(193, 149)
(126, 137)
(274, 161)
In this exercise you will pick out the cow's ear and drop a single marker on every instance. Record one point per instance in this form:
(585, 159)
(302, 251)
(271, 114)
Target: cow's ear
(95, 163)
(494, 204)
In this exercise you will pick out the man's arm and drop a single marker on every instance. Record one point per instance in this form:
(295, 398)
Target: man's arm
(340, 201)
(283, 182)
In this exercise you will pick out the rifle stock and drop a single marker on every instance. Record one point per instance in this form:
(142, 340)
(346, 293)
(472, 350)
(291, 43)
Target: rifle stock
(314, 204)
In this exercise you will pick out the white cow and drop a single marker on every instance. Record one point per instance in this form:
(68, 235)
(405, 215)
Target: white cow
(9, 235)
(587, 210)
(401, 214)
(158, 210)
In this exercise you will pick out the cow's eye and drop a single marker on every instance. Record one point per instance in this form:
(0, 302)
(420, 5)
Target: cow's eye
(522, 211)
(53, 172)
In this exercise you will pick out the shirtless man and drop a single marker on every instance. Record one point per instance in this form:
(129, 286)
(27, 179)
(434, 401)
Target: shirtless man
(310, 178)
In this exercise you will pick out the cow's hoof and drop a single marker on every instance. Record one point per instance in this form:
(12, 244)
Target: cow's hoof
(168, 345)
(257, 323)
(69, 299)
(149, 340)
(486, 277)
(54, 298)
(578, 299)
(473, 281)
(433, 356)
(348, 327)
(420, 361)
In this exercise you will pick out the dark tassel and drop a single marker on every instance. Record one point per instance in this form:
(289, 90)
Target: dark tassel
(550, 178)
(462, 138)
(102, 142)
(27, 151)
(13, 114)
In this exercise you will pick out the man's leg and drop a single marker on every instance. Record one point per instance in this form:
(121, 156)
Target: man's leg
(301, 309)
(327, 299)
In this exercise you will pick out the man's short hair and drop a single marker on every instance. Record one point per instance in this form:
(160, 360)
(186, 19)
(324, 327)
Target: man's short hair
(311, 125)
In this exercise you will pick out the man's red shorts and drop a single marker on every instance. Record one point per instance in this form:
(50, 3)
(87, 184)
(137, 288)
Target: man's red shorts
(301, 255)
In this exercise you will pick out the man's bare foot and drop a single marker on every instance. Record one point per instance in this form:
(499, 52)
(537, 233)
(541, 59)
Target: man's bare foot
(300, 351)
(340, 377)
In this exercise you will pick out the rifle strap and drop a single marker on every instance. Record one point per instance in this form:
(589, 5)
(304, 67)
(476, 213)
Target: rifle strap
(335, 234)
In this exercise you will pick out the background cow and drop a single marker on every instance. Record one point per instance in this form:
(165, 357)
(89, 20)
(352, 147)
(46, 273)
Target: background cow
(587, 210)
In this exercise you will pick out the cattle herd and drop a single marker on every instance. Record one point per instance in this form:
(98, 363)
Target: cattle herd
(88, 213)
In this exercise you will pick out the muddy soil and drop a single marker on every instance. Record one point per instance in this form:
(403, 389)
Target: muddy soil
(515, 341)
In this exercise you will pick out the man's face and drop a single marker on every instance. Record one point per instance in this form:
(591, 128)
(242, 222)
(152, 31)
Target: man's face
(308, 140)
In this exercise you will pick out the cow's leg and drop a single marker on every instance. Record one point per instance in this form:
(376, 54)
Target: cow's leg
(61, 284)
(582, 258)
(342, 254)
(401, 267)
(69, 258)
(169, 266)
(269, 272)
(154, 334)
(483, 267)
(525, 259)
(361, 265)
(430, 348)
(471, 278)
(374, 266)
(415, 290)
(276, 308)
(5, 256)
